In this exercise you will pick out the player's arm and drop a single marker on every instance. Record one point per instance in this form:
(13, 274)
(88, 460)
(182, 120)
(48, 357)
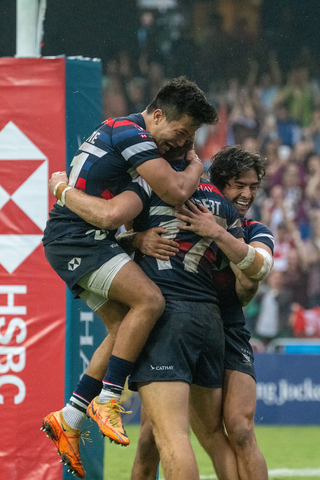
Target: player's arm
(105, 214)
(254, 262)
(247, 288)
(172, 187)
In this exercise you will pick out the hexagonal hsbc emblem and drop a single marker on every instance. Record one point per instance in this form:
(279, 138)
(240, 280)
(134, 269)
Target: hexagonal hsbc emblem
(23, 196)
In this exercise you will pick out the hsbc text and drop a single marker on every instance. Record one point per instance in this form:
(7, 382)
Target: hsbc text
(12, 358)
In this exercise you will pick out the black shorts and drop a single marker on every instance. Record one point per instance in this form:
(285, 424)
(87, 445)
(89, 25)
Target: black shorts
(186, 344)
(73, 256)
(238, 351)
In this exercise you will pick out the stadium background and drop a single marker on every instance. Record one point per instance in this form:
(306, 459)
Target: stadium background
(257, 61)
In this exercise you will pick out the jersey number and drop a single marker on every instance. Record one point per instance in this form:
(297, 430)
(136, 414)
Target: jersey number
(192, 257)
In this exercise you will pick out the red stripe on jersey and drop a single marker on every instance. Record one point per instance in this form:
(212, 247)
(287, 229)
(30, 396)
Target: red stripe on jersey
(207, 187)
(125, 122)
(81, 184)
(109, 121)
(246, 222)
(184, 246)
(210, 255)
(107, 195)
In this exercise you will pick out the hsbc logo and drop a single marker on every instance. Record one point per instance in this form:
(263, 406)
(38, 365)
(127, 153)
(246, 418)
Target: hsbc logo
(74, 263)
(23, 196)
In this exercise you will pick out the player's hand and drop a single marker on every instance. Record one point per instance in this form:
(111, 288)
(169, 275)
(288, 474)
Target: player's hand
(200, 219)
(152, 243)
(56, 178)
(192, 158)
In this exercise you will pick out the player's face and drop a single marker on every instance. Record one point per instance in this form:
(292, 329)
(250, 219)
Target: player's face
(171, 134)
(242, 191)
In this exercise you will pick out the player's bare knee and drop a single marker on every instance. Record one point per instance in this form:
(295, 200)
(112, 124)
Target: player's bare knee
(147, 449)
(154, 302)
(241, 436)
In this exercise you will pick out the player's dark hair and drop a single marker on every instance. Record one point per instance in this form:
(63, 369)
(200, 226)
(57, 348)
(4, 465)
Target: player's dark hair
(232, 162)
(181, 97)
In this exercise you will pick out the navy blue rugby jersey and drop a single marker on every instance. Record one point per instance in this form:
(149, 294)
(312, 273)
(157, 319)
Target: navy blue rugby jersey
(254, 231)
(186, 276)
(224, 280)
(103, 166)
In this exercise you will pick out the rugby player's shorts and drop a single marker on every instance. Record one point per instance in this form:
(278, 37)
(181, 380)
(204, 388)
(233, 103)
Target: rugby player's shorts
(238, 350)
(186, 344)
(87, 263)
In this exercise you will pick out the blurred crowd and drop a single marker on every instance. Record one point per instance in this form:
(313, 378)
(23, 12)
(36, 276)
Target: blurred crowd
(265, 108)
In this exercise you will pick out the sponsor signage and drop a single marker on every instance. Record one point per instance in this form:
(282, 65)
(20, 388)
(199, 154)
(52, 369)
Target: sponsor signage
(288, 389)
(32, 297)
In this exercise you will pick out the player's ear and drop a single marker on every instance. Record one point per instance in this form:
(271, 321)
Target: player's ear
(158, 116)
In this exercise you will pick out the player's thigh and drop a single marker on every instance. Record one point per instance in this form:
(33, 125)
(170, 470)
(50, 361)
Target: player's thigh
(119, 279)
(112, 314)
(166, 405)
(239, 397)
(132, 286)
(205, 409)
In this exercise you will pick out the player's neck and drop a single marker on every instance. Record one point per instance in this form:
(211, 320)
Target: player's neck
(147, 120)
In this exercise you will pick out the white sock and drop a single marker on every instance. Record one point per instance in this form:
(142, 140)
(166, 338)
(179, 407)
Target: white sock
(106, 395)
(73, 416)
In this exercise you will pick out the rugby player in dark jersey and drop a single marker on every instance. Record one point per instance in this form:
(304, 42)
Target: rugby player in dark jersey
(182, 353)
(87, 257)
(238, 175)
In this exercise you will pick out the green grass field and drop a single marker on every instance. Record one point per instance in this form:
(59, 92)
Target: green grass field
(290, 452)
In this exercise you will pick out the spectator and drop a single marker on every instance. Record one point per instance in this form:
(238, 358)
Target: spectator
(312, 133)
(297, 94)
(295, 278)
(273, 318)
(243, 120)
(272, 213)
(287, 128)
(269, 83)
(313, 181)
(309, 255)
(136, 94)
(282, 245)
(114, 99)
(294, 205)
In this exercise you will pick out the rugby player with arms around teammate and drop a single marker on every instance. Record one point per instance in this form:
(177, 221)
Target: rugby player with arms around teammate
(87, 257)
(238, 175)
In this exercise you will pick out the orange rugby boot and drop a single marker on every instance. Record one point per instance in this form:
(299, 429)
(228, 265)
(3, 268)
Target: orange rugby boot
(67, 441)
(108, 417)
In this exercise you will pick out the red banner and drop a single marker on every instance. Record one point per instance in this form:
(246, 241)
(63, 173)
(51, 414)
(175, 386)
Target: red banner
(32, 297)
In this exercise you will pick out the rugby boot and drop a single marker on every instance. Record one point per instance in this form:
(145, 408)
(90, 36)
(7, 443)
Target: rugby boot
(108, 417)
(67, 441)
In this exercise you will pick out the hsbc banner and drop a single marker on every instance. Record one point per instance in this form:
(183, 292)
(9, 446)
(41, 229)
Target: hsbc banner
(288, 389)
(32, 297)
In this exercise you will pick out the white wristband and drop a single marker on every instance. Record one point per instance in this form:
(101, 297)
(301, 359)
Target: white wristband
(55, 188)
(63, 195)
(248, 259)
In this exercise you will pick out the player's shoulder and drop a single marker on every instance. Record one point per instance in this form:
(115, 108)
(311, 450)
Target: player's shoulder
(206, 186)
(133, 121)
(254, 225)
(257, 231)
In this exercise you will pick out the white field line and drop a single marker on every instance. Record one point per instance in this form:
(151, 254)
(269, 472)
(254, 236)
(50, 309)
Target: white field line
(295, 472)
(281, 472)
